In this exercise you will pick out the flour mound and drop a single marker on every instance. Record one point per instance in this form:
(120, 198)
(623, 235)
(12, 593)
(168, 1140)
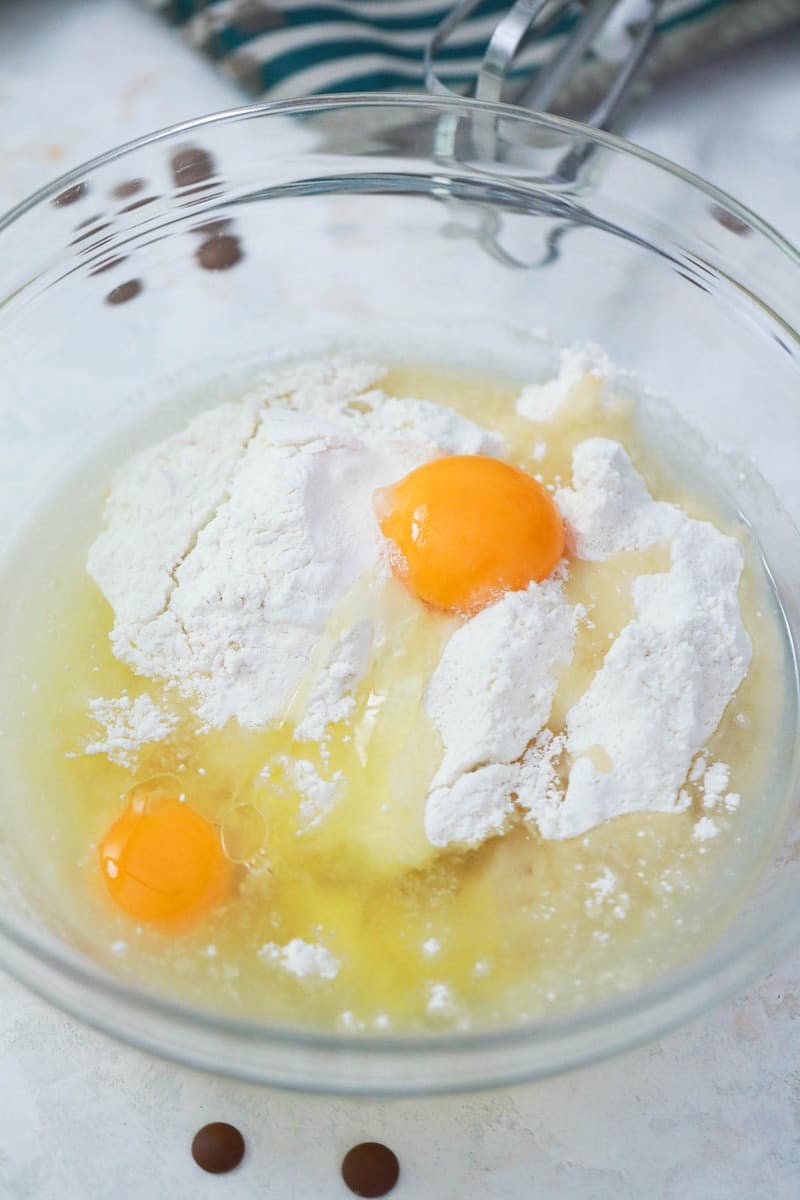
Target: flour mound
(581, 369)
(608, 509)
(662, 689)
(476, 806)
(333, 696)
(228, 546)
(128, 725)
(488, 697)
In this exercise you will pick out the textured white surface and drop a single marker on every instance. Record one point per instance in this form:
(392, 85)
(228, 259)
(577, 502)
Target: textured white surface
(711, 1112)
(490, 695)
(674, 667)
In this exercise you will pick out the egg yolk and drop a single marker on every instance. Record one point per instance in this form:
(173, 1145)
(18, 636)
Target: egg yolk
(161, 860)
(469, 528)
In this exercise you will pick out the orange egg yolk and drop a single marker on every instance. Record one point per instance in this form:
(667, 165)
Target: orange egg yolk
(162, 861)
(467, 529)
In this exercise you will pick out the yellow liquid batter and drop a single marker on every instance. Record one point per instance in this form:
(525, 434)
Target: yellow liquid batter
(516, 928)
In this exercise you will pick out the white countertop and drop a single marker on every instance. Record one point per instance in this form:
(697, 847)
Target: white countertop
(711, 1112)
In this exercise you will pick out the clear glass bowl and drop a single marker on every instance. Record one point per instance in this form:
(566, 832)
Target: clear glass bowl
(430, 226)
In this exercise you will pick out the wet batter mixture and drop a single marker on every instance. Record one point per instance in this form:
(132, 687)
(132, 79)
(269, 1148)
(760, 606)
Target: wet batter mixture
(390, 699)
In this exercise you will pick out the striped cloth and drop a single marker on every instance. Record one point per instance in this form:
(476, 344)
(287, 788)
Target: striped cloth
(284, 48)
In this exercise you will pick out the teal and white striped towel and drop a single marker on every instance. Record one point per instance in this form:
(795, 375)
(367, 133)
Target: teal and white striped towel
(283, 48)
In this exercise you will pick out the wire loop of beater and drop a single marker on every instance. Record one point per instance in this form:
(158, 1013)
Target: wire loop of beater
(516, 32)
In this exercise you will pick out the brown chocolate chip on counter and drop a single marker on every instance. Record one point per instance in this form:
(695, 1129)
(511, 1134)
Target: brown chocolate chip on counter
(70, 195)
(191, 165)
(730, 221)
(218, 1147)
(370, 1169)
(219, 253)
(128, 187)
(124, 292)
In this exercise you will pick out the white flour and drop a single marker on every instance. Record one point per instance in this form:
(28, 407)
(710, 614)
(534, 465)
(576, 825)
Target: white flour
(705, 829)
(302, 959)
(673, 669)
(333, 695)
(584, 367)
(440, 1001)
(715, 780)
(228, 546)
(715, 783)
(608, 509)
(127, 726)
(317, 795)
(488, 697)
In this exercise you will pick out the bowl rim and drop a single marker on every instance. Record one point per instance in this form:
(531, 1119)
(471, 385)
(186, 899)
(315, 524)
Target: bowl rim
(363, 100)
(704, 981)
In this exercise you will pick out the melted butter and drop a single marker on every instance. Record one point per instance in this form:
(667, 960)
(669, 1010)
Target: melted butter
(520, 926)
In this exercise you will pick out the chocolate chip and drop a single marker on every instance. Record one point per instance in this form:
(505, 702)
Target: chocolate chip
(218, 1147)
(191, 165)
(134, 204)
(124, 292)
(219, 253)
(370, 1169)
(729, 220)
(89, 221)
(215, 226)
(70, 195)
(108, 264)
(128, 187)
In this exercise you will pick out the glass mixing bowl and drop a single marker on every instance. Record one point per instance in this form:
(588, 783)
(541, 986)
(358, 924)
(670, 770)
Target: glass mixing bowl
(432, 227)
